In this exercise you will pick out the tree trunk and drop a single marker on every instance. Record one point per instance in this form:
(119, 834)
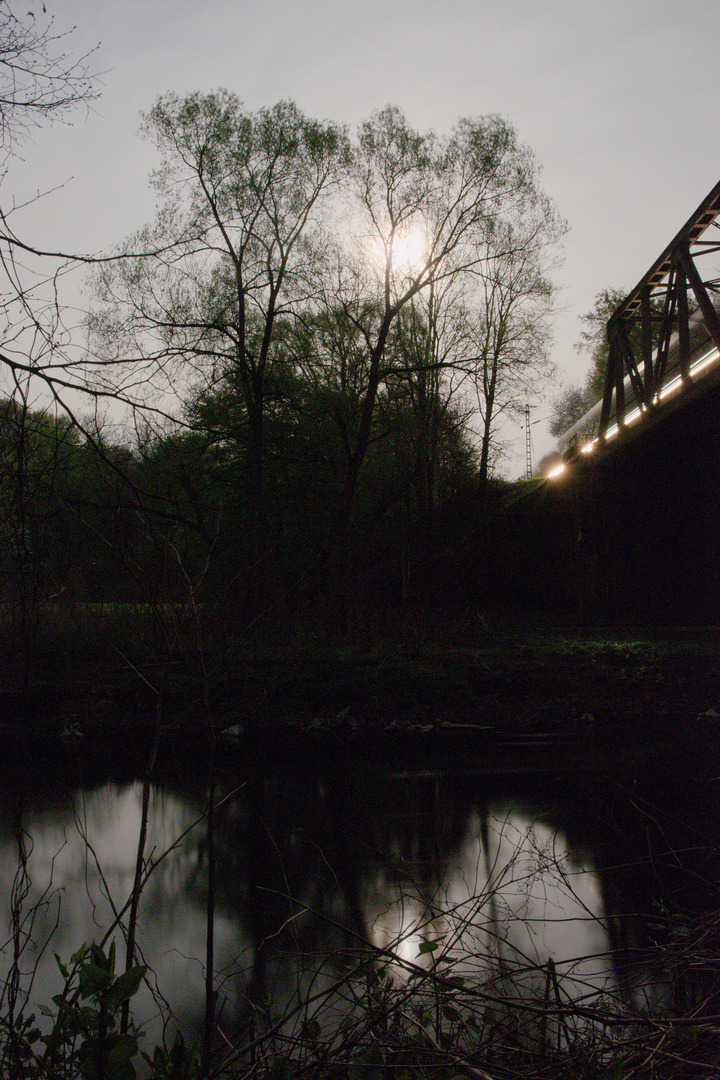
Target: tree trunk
(339, 572)
(257, 540)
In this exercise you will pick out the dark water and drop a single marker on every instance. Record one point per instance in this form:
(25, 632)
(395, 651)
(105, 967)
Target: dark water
(505, 856)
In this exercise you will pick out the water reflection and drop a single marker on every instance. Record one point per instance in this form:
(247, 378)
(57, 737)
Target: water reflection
(510, 894)
(81, 866)
(436, 871)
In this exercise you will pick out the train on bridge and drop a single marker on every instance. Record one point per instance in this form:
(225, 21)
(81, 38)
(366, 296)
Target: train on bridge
(628, 527)
(702, 372)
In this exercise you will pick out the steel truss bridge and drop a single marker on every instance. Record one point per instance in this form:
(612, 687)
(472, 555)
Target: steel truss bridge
(630, 530)
(664, 339)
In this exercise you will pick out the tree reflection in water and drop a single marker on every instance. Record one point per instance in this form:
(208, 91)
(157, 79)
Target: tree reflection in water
(436, 873)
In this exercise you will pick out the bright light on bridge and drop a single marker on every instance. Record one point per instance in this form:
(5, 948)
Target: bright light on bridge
(670, 388)
(705, 361)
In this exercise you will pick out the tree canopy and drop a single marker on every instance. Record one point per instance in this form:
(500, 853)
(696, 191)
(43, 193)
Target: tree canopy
(319, 334)
(323, 291)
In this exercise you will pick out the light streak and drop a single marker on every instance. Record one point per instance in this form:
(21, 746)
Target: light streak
(710, 357)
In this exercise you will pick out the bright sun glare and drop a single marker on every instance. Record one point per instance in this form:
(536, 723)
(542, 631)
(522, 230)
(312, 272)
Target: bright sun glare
(408, 253)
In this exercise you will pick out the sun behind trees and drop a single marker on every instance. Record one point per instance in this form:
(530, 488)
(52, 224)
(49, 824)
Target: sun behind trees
(342, 319)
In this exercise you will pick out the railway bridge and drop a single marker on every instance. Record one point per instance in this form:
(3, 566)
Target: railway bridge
(628, 528)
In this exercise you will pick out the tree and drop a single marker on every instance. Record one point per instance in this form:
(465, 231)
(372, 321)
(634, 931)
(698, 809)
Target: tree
(39, 80)
(481, 345)
(429, 211)
(593, 339)
(510, 332)
(568, 408)
(283, 247)
(237, 239)
(41, 462)
(427, 336)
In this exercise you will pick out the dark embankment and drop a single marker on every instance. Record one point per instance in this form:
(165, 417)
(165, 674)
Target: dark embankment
(642, 682)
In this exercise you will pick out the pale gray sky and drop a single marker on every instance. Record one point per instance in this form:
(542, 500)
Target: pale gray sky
(619, 99)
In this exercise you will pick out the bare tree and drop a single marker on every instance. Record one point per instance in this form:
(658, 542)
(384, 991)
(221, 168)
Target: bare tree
(40, 79)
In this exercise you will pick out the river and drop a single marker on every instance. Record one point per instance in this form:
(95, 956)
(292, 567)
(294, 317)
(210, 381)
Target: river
(483, 865)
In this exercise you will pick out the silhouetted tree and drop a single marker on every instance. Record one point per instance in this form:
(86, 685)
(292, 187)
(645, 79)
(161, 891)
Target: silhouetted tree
(265, 286)
(241, 204)
(429, 211)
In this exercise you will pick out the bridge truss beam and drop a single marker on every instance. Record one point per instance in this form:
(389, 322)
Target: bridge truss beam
(651, 335)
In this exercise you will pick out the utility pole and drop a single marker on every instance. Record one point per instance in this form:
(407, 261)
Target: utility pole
(528, 447)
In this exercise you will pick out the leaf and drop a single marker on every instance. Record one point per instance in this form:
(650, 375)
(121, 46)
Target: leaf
(93, 980)
(79, 955)
(614, 1072)
(120, 1066)
(125, 986)
(428, 947)
(311, 1029)
(181, 1060)
(368, 1065)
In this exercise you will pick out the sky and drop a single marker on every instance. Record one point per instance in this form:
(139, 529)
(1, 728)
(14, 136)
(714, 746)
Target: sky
(619, 99)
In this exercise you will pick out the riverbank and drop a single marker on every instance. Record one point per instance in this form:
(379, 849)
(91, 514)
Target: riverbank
(505, 680)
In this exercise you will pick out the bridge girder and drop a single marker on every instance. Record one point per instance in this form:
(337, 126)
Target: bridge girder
(660, 316)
